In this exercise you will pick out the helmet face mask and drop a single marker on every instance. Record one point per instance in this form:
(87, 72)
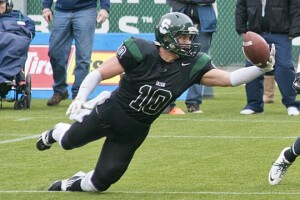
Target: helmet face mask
(170, 28)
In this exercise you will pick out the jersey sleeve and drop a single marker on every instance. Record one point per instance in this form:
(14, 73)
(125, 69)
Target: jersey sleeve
(129, 54)
(202, 66)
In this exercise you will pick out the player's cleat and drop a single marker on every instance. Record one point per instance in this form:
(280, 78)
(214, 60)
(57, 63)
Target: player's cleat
(64, 185)
(278, 168)
(56, 186)
(42, 143)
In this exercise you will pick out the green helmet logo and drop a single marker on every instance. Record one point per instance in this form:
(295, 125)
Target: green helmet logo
(170, 27)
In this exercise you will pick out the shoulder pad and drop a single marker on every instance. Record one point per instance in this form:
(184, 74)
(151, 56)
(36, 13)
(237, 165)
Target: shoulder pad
(133, 49)
(202, 60)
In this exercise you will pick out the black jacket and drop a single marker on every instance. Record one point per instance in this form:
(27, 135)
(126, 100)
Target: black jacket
(281, 16)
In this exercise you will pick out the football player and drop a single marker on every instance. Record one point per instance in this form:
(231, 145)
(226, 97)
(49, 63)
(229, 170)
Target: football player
(289, 154)
(155, 73)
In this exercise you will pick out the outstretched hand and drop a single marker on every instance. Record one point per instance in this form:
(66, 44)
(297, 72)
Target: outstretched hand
(87, 107)
(270, 64)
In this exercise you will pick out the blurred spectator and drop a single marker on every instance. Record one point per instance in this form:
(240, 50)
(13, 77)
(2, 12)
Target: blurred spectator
(277, 22)
(204, 16)
(269, 88)
(16, 33)
(76, 20)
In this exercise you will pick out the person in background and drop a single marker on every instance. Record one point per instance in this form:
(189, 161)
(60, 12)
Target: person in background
(154, 77)
(76, 20)
(16, 33)
(269, 88)
(204, 16)
(277, 22)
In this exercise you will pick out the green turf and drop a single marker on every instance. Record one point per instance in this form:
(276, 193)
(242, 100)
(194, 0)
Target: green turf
(216, 155)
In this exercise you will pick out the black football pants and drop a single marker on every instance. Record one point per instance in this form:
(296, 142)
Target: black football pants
(123, 136)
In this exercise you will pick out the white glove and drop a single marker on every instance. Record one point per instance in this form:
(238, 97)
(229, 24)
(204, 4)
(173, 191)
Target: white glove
(91, 104)
(79, 116)
(87, 107)
(270, 64)
(75, 106)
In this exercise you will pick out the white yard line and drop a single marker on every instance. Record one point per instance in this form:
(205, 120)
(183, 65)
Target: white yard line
(168, 192)
(242, 119)
(207, 192)
(246, 120)
(23, 119)
(221, 137)
(19, 139)
(15, 134)
(173, 136)
(30, 118)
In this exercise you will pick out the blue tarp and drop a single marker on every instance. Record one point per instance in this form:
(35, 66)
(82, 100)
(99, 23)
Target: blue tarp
(13, 54)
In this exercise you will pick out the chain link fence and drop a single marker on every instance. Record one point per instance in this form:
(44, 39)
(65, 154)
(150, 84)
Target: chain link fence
(139, 16)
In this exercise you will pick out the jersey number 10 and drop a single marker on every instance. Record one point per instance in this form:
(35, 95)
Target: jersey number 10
(151, 101)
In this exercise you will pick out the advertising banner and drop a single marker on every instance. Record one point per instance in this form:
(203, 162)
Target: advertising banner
(39, 67)
(98, 57)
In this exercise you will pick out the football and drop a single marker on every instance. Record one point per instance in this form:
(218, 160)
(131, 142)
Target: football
(256, 49)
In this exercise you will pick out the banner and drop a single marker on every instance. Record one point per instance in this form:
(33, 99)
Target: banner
(98, 57)
(39, 67)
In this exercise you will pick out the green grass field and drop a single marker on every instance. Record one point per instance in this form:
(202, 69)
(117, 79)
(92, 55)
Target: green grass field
(216, 155)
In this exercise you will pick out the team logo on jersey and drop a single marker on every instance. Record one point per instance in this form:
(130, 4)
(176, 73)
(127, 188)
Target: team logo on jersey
(121, 51)
(160, 84)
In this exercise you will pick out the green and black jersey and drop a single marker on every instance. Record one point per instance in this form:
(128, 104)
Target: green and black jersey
(149, 83)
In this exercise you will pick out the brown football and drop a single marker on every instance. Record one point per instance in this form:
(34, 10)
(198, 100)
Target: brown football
(256, 49)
